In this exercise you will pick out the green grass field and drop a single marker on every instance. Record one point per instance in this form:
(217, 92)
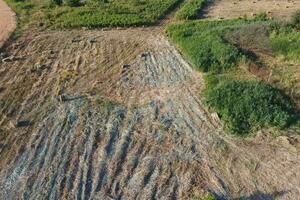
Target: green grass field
(219, 47)
(190, 9)
(93, 14)
(203, 45)
(287, 45)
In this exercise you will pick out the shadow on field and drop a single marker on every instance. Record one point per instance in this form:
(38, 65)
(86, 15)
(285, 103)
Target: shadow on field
(263, 196)
(203, 12)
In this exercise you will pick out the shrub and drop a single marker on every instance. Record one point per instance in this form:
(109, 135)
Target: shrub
(247, 105)
(251, 38)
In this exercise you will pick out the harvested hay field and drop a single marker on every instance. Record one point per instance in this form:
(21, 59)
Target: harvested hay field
(232, 9)
(117, 115)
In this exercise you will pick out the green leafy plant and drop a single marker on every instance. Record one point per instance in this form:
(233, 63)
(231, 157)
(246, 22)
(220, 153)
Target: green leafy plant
(248, 105)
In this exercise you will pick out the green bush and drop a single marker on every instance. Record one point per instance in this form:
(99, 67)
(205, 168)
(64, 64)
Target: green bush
(190, 9)
(250, 38)
(248, 105)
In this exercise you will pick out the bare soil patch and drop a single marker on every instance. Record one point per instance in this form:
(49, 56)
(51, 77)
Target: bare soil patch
(232, 9)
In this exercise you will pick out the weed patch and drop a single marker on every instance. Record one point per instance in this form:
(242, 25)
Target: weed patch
(246, 106)
(204, 46)
(287, 44)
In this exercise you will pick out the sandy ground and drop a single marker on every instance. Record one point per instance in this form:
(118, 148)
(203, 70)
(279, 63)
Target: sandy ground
(229, 9)
(7, 22)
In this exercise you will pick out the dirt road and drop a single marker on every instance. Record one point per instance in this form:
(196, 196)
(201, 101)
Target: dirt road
(7, 22)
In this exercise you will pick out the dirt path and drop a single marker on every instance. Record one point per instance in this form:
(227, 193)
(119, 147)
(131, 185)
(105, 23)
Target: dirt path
(7, 22)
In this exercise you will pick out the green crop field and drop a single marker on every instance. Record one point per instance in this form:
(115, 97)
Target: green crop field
(93, 13)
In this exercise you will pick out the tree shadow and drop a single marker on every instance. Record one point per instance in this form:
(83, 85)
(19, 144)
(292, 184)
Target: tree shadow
(263, 196)
(205, 10)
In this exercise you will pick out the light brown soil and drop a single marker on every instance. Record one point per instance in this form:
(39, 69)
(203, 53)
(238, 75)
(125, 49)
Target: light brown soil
(7, 22)
(230, 9)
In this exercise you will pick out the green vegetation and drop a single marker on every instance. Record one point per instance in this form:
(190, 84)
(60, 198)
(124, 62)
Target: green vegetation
(94, 13)
(219, 47)
(296, 20)
(248, 105)
(287, 44)
(190, 9)
(203, 45)
(285, 38)
(209, 197)
(261, 17)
